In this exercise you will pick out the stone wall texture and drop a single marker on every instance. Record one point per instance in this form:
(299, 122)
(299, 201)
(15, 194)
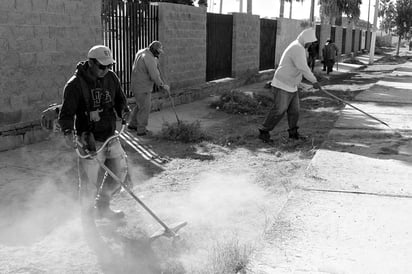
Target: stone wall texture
(288, 30)
(41, 41)
(246, 44)
(182, 31)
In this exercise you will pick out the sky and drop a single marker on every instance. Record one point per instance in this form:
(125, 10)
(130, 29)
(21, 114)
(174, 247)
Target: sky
(270, 8)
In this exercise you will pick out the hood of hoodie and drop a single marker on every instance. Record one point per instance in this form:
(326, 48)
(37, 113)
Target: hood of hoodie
(307, 36)
(82, 70)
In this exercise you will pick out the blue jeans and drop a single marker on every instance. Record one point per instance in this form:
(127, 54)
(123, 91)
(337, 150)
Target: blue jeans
(285, 102)
(96, 186)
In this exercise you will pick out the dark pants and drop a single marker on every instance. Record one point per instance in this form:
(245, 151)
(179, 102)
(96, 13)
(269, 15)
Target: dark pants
(329, 65)
(285, 102)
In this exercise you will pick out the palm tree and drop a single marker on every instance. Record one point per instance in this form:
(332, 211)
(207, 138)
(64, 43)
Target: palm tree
(333, 10)
(282, 7)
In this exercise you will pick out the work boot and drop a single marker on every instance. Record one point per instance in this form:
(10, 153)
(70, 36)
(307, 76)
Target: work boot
(294, 134)
(108, 213)
(264, 135)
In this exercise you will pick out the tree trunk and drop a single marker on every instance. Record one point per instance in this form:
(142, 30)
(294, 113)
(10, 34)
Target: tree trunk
(282, 8)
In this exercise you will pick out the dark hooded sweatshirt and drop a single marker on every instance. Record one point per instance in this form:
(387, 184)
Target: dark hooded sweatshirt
(104, 94)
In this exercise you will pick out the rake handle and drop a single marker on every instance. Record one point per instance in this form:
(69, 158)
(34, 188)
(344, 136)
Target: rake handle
(117, 179)
(358, 109)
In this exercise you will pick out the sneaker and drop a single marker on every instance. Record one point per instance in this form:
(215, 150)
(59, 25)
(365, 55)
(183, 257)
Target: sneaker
(109, 214)
(264, 136)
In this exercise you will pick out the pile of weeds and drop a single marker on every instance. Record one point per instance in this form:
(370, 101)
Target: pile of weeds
(237, 102)
(183, 132)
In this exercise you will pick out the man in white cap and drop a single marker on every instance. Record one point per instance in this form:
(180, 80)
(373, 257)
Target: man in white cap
(92, 99)
(145, 73)
(288, 75)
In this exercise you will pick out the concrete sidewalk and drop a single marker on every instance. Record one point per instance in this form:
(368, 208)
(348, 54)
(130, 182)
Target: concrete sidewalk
(352, 211)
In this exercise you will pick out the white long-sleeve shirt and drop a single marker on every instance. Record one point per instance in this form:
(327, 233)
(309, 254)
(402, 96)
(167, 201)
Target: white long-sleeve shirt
(293, 64)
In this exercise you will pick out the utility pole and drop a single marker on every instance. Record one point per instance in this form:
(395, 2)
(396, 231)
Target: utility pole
(221, 6)
(240, 5)
(373, 39)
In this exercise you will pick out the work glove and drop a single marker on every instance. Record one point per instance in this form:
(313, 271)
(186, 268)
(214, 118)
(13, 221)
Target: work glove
(126, 114)
(316, 85)
(87, 142)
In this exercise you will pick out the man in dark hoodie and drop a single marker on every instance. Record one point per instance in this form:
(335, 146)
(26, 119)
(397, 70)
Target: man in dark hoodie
(92, 99)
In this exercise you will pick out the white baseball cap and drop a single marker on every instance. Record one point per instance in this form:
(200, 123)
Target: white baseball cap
(102, 54)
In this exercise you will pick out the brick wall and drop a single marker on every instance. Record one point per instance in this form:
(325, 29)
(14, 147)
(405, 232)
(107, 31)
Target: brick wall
(41, 41)
(246, 41)
(182, 30)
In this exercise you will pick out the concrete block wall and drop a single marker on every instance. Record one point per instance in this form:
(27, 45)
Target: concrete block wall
(287, 31)
(246, 44)
(182, 30)
(41, 41)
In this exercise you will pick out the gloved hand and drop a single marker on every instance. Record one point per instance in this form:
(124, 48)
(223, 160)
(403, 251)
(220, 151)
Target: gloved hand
(316, 85)
(166, 88)
(87, 141)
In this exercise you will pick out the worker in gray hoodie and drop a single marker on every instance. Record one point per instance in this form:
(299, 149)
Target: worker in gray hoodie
(288, 75)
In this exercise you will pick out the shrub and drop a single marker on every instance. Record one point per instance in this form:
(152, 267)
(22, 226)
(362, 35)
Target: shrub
(183, 132)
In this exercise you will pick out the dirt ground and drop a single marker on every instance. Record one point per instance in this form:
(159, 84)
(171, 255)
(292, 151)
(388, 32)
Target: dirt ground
(229, 189)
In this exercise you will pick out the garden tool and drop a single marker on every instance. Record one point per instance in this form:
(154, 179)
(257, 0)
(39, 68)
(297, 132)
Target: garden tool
(358, 109)
(167, 231)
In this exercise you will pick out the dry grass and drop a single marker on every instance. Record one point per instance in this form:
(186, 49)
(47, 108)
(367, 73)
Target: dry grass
(183, 132)
(228, 257)
(237, 102)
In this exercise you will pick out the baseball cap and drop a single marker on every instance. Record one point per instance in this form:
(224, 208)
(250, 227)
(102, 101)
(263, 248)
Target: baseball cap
(102, 54)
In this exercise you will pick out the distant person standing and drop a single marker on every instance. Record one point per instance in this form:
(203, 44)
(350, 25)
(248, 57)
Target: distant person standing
(313, 51)
(293, 65)
(145, 73)
(330, 54)
(410, 45)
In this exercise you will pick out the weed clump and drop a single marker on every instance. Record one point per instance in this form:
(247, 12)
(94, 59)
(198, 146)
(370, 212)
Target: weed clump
(183, 132)
(236, 102)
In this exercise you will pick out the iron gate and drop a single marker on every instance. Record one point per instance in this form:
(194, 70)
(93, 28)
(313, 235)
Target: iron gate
(267, 52)
(127, 27)
(219, 30)
(333, 34)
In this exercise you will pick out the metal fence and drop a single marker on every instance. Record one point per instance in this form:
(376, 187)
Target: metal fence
(127, 27)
